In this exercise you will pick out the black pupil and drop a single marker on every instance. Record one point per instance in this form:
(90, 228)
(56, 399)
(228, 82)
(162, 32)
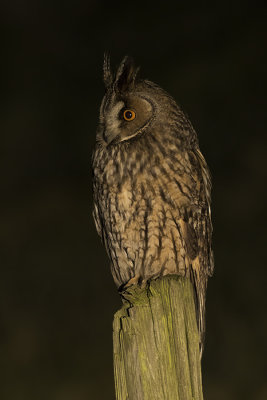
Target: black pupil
(128, 115)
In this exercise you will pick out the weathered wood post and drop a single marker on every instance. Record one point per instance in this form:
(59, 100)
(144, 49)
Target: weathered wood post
(156, 343)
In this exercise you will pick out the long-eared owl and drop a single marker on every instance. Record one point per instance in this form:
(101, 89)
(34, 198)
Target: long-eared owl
(151, 186)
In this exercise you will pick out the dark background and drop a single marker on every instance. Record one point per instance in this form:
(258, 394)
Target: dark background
(57, 294)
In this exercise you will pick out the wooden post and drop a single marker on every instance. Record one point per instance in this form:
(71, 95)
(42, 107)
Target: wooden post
(156, 343)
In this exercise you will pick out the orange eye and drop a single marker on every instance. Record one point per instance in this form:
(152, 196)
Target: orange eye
(129, 115)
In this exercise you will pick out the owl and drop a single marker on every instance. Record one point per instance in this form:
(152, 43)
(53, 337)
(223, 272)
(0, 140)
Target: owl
(151, 186)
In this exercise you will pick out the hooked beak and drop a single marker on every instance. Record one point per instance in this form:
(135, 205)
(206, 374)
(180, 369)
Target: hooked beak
(107, 136)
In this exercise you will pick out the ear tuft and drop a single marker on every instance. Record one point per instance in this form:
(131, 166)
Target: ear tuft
(126, 74)
(107, 73)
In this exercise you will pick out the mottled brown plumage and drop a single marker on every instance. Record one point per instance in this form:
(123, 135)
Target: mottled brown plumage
(151, 187)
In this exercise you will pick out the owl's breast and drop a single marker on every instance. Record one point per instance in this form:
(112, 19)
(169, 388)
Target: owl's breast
(125, 199)
(143, 231)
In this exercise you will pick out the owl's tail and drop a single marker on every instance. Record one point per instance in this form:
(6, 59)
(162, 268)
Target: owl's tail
(200, 287)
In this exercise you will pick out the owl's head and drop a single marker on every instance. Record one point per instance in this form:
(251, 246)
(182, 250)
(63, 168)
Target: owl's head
(130, 106)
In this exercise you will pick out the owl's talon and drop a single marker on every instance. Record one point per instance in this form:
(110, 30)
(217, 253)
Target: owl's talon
(131, 282)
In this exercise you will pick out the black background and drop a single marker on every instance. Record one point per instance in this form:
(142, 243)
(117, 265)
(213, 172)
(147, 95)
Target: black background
(57, 294)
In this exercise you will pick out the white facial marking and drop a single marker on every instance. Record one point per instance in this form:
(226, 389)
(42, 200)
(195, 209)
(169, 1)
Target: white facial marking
(113, 122)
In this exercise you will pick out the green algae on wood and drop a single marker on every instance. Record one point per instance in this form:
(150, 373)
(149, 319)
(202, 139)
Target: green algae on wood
(156, 343)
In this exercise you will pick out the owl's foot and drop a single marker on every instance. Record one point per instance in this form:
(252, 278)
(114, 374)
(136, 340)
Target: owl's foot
(133, 281)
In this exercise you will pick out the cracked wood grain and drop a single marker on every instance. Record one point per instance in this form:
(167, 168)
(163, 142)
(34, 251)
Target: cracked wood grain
(156, 343)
